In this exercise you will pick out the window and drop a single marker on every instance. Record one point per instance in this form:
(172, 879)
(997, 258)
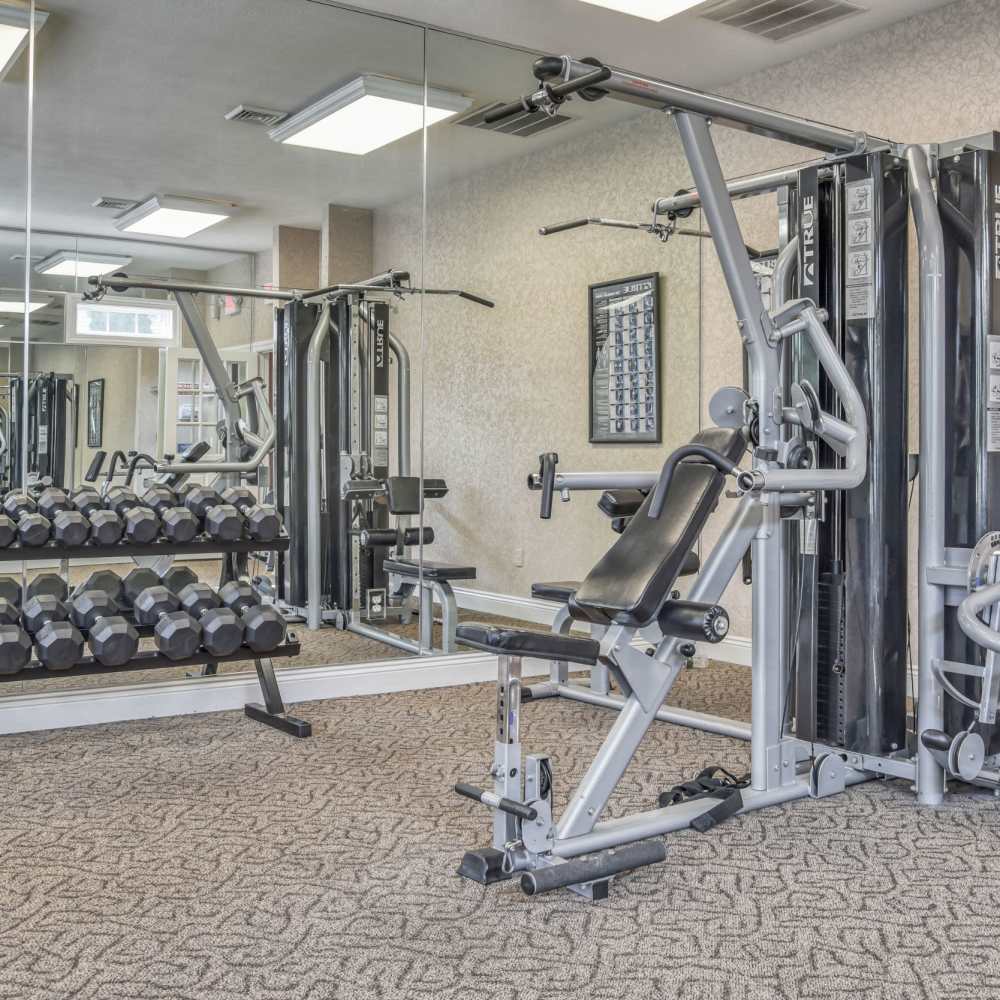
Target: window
(198, 408)
(134, 322)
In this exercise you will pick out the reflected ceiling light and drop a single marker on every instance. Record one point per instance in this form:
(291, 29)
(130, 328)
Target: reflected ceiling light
(11, 306)
(369, 112)
(69, 264)
(169, 215)
(15, 25)
(651, 10)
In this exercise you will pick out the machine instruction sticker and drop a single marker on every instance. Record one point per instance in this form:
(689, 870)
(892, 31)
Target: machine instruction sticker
(994, 345)
(993, 430)
(859, 298)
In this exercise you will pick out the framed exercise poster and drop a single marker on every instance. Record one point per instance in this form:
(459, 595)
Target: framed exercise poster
(95, 412)
(625, 361)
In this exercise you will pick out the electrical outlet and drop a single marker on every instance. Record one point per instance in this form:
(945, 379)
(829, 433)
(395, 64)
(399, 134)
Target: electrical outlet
(519, 556)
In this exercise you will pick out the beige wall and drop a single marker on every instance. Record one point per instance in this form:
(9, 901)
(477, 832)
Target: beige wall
(500, 387)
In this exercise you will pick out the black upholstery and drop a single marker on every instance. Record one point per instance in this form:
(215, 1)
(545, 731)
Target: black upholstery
(432, 570)
(543, 645)
(561, 590)
(620, 503)
(633, 579)
(403, 494)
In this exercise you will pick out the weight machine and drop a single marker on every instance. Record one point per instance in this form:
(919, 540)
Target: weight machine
(53, 412)
(815, 452)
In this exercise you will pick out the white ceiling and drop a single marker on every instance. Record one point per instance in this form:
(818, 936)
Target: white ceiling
(130, 96)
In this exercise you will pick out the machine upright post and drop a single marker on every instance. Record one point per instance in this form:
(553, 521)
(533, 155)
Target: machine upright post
(931, 596)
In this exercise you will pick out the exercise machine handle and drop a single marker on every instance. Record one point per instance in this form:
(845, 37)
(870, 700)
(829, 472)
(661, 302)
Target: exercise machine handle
(688, 451)
(550, 94)
(94, 469)
(547, 477)
(518, 809)
(562, 227)
(970, 622)
(134, 464)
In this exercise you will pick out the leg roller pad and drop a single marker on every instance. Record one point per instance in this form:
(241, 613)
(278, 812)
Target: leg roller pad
(485, 866)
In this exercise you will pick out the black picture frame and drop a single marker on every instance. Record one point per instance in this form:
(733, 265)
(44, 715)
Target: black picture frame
(95, 413)
(623, 371)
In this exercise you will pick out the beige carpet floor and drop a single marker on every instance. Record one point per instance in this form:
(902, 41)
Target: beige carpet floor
(210, 857)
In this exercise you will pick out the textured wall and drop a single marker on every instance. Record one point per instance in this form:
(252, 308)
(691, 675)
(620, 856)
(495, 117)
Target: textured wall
(501, 387)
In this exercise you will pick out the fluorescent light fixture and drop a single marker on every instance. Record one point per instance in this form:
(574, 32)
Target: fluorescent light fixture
(651, 10)
(10, 306)
(369, 112)
(15, 26)
(169, 215)
(70, 264)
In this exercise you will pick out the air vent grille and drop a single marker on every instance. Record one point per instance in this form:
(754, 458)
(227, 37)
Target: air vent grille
(255, 116)
(116, 204)
(778, 20)
(524, 125)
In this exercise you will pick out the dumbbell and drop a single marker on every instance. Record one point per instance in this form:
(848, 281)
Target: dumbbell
(263, 627)
(51, 501)
(178, 577)
(10, 590)
(139, 579)
(32, 528)
(15, 643)
(103, 580)
(57, 640)
(177, 522)
(221, 628)
(112, 639)
(48, 583)
(141, 524)
(106, 527)
(263, 521)
(120, 499)
(176, 633)
(87, 501)
(8, 531)
(70, 527)
(221, 520)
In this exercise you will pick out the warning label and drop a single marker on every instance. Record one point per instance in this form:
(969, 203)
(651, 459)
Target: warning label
(859, 302)
(993, 430)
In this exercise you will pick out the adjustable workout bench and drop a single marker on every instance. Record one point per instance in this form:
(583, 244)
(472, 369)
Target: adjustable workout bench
(629, 589)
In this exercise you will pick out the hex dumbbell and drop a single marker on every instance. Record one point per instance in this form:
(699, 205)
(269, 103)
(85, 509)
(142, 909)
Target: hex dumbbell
(113, 640)
(10, 590)
(137, 580)
(105, 527)
(263, 522)
(33, 529)
(141, 524)
(15, 504)
(51, 501)
(58, 641)
(177, 522)
(86, 501)
(176, 578)
(48, 583)
(200, 500)
(70, 527)
(104, 580)
(8, 531)
(120, 499)
(176, 633)
(160, 498)
(221, 628)
(263, 627)
(15, 643)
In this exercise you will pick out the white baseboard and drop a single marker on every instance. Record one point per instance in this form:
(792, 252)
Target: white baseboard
(225, 692)
(733, 649)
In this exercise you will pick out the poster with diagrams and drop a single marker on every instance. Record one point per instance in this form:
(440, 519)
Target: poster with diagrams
(625, 361)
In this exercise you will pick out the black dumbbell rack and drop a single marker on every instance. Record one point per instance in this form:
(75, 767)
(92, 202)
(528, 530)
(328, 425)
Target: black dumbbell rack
(161, 547)
(271, 713)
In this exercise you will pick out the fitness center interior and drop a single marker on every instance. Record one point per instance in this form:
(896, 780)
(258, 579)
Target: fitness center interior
(499, 501)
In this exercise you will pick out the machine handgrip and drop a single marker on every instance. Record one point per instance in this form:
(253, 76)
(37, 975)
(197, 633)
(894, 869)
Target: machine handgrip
(562, 227)
(596, 76)
(94, 469)
(709, 455)
(476, 298)
(522, 105)
(547, 477)
(518, 809)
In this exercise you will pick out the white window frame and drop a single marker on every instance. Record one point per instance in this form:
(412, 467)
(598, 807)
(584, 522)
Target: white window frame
(73, 299)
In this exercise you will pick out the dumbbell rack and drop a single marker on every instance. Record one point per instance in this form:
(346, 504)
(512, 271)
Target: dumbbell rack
(271, 713)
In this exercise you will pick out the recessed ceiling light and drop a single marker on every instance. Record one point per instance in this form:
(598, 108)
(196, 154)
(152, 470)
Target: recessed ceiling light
(369, 112)
(651, 10)
(168, 215)
(15, 25)
(69, 264)
(10, 306)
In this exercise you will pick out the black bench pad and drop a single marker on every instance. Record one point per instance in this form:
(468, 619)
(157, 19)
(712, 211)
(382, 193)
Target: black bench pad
(432, 570)
(561, 590)
(541, 645)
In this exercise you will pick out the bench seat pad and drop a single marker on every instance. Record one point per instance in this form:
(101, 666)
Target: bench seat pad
(432, 570)
(541, 645)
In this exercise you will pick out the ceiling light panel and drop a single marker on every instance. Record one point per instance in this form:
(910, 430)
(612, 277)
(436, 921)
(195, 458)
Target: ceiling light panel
(15, 26)
(366, 114)
(651, 10)
(171, 216)
(70, 264)
(12, 306)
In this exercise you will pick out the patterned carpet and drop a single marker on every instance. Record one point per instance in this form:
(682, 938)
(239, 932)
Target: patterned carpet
(208, 857)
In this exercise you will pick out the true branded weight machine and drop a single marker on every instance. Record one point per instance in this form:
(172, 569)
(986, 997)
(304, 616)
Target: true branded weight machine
(822, 503)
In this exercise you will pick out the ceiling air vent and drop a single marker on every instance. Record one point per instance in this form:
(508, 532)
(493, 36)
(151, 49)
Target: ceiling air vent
(523, 125)
(115, 204)
(777, 20)
(255, 116)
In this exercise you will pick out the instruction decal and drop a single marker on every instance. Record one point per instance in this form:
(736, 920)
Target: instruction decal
(859, 298)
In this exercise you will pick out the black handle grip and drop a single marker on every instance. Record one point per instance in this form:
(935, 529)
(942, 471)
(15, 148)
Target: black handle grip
(115, 456)
(411, 536)
(562, 90)
(134, 464)
(476, 298)
(711, 456)
(519, 107)
(94, 469)
(562, 227)
(547, 474)
(518, 809)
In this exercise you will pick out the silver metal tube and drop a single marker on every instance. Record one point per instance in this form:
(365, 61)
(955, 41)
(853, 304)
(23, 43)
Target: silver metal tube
(971, 624)
(388, 638)
(402, 403)
(734, 114)
(314, 491)
(785, 269)
(931, 598)
(111, 283)
(598, 481)
(678, 716)
(739, 187)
